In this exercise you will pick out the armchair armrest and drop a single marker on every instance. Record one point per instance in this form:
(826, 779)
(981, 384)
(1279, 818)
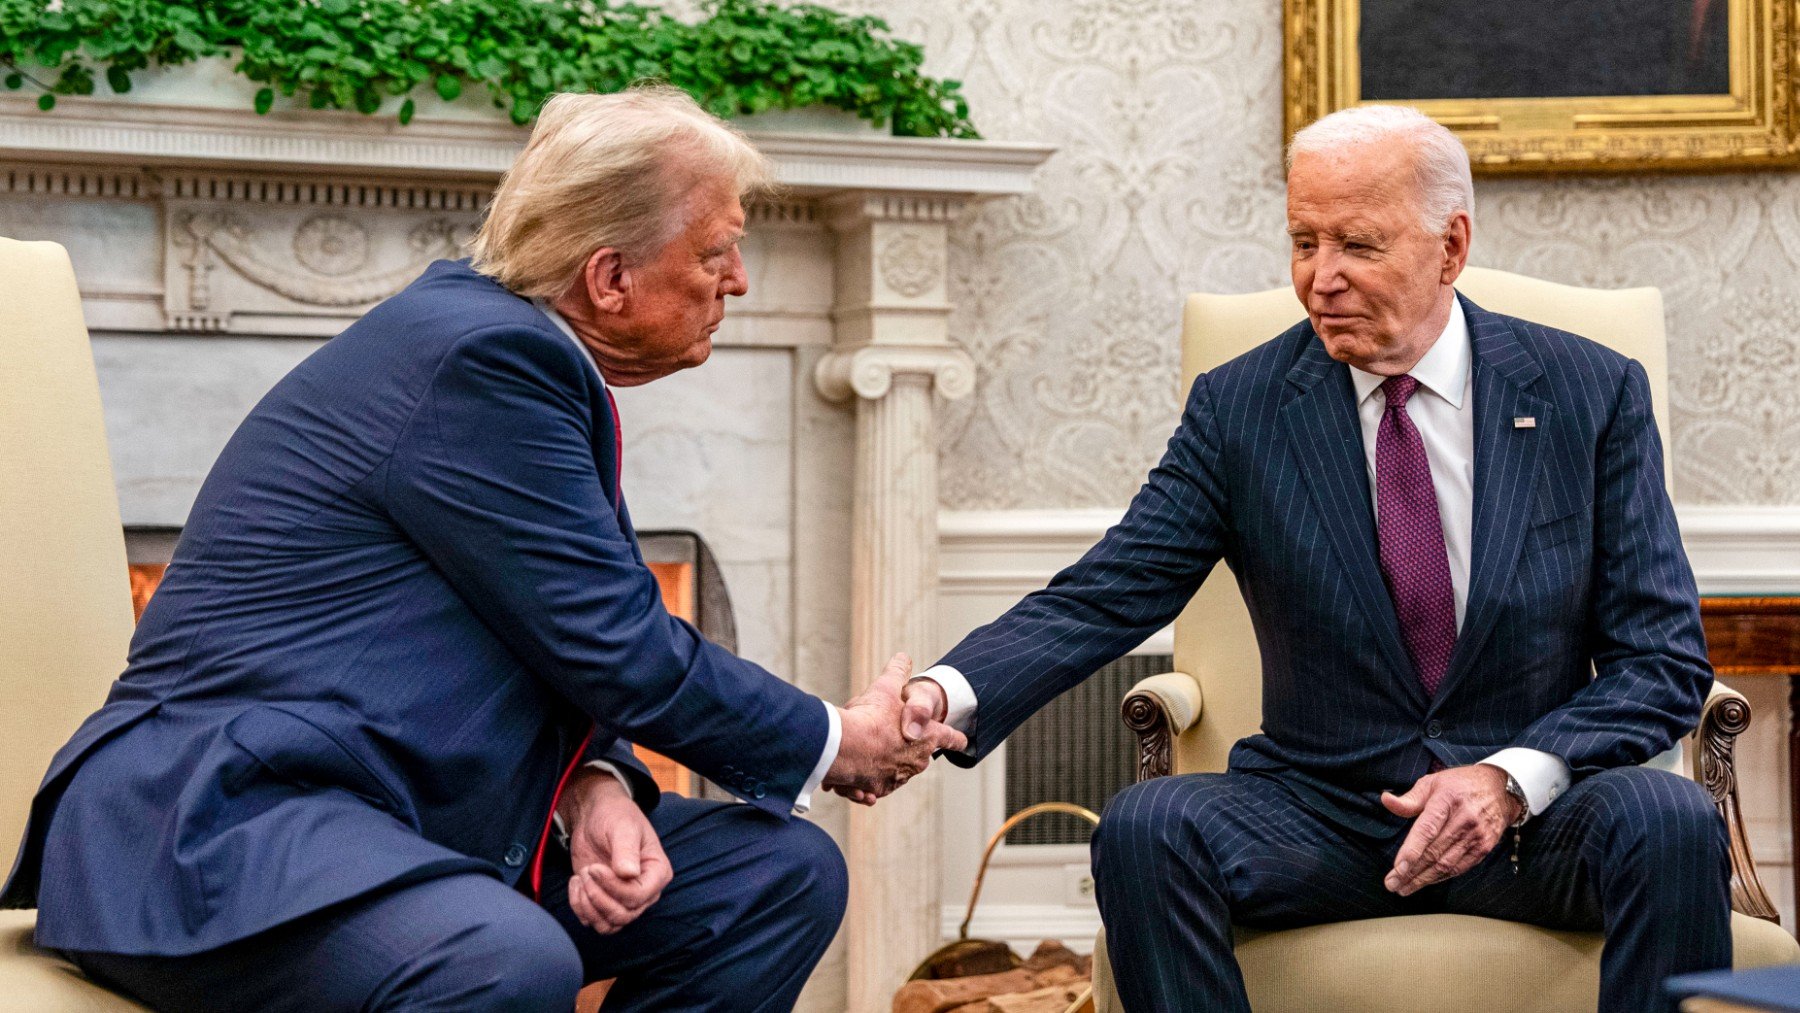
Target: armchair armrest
(1158, 709)
(1725, 716)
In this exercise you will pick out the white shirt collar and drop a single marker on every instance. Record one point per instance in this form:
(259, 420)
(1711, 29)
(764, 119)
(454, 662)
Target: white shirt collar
(562, 325)
(1444, 370)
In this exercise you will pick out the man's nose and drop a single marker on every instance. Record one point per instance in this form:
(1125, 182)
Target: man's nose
(736, 280)
(1328, 274)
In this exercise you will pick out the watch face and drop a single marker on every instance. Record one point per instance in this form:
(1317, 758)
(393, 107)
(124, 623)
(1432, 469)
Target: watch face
(1513, 788)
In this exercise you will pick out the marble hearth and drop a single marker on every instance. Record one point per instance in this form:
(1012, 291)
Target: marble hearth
(215, 249)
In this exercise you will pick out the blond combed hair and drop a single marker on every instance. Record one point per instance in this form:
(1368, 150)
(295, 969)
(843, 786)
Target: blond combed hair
(606, 171)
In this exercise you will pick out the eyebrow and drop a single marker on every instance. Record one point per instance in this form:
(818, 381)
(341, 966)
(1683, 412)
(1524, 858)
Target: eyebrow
(730, 241)
(1357, 235)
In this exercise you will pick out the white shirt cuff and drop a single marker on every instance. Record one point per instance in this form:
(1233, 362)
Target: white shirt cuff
(959, 696)
(1544, 776)
(834, 735)
(562, 832)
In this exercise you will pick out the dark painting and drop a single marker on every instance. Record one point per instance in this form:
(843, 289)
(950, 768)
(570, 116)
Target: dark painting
(1489, 49)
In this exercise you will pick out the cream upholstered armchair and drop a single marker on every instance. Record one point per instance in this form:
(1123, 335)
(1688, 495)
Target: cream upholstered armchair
(1187, 721)
(65, 600)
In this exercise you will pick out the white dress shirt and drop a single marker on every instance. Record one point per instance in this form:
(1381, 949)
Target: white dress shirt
(834, 724)
(1443, 411)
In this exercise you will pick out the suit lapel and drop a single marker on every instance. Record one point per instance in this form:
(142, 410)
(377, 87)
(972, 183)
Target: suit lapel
(1506, 476)
(1322, 428)
(609, 446)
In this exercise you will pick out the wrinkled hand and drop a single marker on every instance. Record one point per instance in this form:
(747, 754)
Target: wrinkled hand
(1459, 815)
(874, 757)
(923, 704)
(620, 868)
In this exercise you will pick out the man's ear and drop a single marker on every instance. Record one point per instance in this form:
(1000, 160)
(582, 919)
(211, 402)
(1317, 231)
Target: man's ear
(608, 280)
(1456, 247)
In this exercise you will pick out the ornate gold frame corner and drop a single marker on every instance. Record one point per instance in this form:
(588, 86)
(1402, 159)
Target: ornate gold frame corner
(1757, 126)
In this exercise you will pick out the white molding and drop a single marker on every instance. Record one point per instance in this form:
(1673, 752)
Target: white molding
(89, 130)
(1734, 550)
(1743, 550)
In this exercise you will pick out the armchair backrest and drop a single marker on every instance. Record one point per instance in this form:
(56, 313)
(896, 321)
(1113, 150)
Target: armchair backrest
(65, 599)
(1213, 639)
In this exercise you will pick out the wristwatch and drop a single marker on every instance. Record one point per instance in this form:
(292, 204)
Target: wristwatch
(1514, 789)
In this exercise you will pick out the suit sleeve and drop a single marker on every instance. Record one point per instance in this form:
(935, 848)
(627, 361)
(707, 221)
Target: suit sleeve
(1133, 582)
(495, 479)
(1651, 674)
(644, 789)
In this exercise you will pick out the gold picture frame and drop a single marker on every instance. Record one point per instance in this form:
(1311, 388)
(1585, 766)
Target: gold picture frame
(1753, 125)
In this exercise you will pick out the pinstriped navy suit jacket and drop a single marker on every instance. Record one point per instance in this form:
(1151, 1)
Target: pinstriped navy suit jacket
(1582, 635)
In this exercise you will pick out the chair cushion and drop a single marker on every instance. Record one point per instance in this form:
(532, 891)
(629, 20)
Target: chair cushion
(32, 979)
(1437, 964)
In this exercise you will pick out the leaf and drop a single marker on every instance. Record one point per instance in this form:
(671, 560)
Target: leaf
(191, 41)
(46, 101)
(120, 81)
(448, 87)
(15, 81)
(265, 100)
(406, 112)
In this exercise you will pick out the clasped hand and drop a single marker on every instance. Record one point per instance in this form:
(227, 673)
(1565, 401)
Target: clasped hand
(619, 865)
(889, 735)
(1458, 816)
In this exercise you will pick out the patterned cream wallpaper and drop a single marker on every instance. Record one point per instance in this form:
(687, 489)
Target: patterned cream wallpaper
(1168, 180)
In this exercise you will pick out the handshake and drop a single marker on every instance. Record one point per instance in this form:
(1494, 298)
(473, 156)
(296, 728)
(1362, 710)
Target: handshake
(889, 734)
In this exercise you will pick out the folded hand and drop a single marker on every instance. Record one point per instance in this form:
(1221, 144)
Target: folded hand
(1458, 815)
(620, 867)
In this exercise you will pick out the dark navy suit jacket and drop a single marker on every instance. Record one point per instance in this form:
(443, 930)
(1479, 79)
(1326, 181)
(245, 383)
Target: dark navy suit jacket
(406, 589)
(1582, 633)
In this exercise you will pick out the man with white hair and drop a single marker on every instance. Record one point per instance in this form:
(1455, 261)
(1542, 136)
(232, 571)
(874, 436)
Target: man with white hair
(408, 624)
(1474, 612)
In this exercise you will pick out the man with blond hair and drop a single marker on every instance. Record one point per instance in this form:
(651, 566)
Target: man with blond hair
(1475, 616)
(371, 750)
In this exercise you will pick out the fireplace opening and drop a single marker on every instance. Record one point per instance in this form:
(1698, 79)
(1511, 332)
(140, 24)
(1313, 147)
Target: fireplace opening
(687, 573)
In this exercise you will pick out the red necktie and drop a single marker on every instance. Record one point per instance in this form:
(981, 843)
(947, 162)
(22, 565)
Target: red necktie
(537, 860)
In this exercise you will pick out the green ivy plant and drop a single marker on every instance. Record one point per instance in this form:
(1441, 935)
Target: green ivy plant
(740, 57)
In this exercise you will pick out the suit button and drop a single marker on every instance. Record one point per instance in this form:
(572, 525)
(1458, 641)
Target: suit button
(758, 792)
(1433, 729)
(515, 855)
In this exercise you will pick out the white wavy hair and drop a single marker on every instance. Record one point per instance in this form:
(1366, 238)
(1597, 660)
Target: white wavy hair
(1440, 162)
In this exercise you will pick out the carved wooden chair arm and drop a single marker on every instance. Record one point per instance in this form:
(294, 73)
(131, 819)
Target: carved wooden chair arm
(1158, 709)
(1723, 718)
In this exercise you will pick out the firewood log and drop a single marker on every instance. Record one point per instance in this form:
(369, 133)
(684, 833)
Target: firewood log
(1054, 999)
(945, 994)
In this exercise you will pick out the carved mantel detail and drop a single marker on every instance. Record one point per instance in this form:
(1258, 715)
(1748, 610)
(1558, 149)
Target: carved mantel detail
(868, 372)
(224, 261)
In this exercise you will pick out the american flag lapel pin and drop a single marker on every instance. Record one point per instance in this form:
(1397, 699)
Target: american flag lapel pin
(1525, 422)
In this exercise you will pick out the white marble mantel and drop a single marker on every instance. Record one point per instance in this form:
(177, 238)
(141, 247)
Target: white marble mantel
(216, 248)
(90, 130)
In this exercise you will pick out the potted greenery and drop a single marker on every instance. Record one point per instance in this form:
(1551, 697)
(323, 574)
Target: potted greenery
(740, 58)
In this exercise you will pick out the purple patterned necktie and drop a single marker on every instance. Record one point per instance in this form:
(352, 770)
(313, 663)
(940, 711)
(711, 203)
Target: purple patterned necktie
(1411, 537)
